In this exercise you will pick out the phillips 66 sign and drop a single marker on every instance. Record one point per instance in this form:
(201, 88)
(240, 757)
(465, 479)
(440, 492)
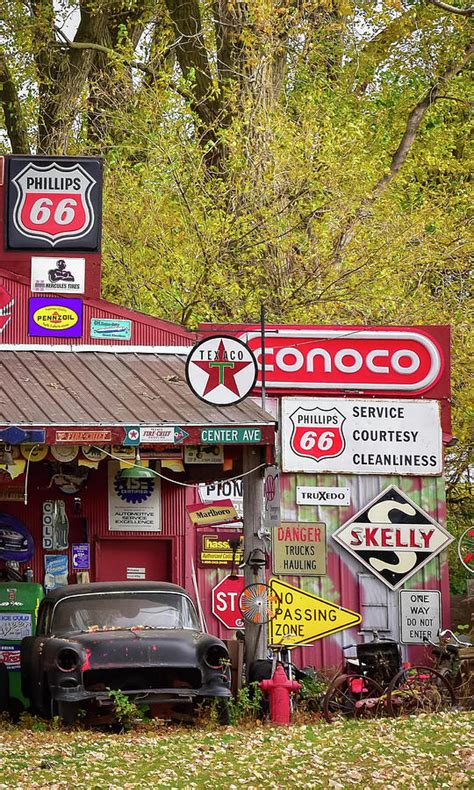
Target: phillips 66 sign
(361, 436)
(53, 203)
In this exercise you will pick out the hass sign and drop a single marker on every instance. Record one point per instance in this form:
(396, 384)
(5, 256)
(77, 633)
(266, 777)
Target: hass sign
(393, 537)
(53, 202)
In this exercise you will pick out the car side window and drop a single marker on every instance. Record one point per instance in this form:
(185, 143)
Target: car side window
(44, 619)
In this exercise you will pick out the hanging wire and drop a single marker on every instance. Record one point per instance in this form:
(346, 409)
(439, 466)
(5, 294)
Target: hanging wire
(25, 494)
(178, 482)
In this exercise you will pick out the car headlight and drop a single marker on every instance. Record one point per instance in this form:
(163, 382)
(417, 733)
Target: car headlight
(216, 657)
(67, 659)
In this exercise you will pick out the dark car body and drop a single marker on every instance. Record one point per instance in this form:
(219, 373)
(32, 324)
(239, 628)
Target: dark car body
(142, 638)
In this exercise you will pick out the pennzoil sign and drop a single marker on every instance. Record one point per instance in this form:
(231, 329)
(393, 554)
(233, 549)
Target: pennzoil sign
(53, 202)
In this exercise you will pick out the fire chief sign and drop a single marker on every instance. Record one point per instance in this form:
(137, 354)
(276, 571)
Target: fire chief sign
(393, 537)
(221, 370)
(53, 203)
(361, 437)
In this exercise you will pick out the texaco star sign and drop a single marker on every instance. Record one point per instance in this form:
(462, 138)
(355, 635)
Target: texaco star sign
(221, 370)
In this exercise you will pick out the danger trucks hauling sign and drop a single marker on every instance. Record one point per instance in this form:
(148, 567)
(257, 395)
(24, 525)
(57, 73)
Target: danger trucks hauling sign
(299, 549)
(361, 437)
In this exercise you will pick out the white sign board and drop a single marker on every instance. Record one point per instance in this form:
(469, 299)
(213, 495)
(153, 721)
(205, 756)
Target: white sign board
(15, 626)
(134, 504)
(136, 573)
(361, 436)
(58, 275)
(224, 489)
(420, 616)
(271, 515)
(392, 537)
(323, 495)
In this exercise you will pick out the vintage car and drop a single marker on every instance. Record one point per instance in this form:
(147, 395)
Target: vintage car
(142, 638)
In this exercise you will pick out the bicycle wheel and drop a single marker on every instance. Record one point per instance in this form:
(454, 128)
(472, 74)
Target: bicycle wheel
(466, 549)
(353, 696)
(256, 603)
(419, 690)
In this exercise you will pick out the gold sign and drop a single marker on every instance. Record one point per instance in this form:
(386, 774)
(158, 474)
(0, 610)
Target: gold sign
(214, 513)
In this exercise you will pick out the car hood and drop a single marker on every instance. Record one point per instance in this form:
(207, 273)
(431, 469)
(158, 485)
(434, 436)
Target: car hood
(158, 647)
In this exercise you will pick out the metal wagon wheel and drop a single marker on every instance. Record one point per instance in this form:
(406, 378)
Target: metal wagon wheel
(352, 696)
(419, 690)
(466, 549)
(257, 603)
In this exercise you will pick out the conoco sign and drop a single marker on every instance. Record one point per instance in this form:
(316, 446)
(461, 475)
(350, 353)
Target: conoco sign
(402, 360)
(53, 203)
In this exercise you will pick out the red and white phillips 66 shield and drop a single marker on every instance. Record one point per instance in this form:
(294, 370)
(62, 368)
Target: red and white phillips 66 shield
(53, 202)
(317, 433)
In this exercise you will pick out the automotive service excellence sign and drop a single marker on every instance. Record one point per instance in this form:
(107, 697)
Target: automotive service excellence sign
(361, 436)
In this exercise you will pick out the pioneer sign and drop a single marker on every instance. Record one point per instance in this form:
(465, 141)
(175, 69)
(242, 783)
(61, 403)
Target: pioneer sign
(361, 436)
(53, 202)
(393, 537)
(405, 360)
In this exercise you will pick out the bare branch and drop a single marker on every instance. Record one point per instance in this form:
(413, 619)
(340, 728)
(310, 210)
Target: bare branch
(452, 9)
(135, 64)
(400, 155)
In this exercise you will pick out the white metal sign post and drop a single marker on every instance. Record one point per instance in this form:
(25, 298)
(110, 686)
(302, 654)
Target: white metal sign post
(420, 616)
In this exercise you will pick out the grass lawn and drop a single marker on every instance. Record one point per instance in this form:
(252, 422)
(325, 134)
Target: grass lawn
(426, 751)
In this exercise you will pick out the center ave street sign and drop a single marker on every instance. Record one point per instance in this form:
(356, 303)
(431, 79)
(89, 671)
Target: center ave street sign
(393, 537)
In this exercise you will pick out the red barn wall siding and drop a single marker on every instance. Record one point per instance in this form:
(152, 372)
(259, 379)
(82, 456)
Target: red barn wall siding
(146, 330)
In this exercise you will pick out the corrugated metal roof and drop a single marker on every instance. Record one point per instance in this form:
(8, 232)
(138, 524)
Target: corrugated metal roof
(105, 388)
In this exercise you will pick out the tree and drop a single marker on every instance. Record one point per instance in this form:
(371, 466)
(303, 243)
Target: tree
(310, 155)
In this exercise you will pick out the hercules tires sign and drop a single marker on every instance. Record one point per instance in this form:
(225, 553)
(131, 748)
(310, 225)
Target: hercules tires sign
(54, 203)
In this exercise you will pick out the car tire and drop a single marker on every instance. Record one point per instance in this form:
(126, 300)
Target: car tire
(223, 711)
(67, 712)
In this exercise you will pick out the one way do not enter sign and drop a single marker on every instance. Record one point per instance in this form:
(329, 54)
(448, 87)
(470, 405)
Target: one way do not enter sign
(225, 601)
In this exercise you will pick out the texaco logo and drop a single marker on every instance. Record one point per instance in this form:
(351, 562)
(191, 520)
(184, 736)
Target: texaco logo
(53, 203)
(221, 370)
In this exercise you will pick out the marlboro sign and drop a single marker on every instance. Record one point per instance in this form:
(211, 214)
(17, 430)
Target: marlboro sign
(214, 513)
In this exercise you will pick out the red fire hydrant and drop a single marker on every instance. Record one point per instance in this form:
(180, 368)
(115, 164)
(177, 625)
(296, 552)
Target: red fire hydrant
(279, 688)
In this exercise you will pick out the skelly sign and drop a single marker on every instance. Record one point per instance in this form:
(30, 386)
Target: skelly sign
(393, 537)
(53, 203)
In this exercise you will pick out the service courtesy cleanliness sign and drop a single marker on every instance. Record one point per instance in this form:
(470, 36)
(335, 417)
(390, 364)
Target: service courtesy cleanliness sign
(361, 436)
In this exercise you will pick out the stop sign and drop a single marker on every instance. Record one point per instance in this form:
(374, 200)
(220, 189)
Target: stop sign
(225, 601)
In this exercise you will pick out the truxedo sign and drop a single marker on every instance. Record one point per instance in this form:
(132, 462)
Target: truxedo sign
(378, 360)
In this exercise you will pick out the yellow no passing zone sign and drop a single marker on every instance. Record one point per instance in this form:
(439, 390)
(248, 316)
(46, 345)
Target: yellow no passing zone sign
(302, 618)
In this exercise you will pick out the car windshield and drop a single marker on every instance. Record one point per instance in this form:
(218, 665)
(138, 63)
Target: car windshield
(112, 611)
